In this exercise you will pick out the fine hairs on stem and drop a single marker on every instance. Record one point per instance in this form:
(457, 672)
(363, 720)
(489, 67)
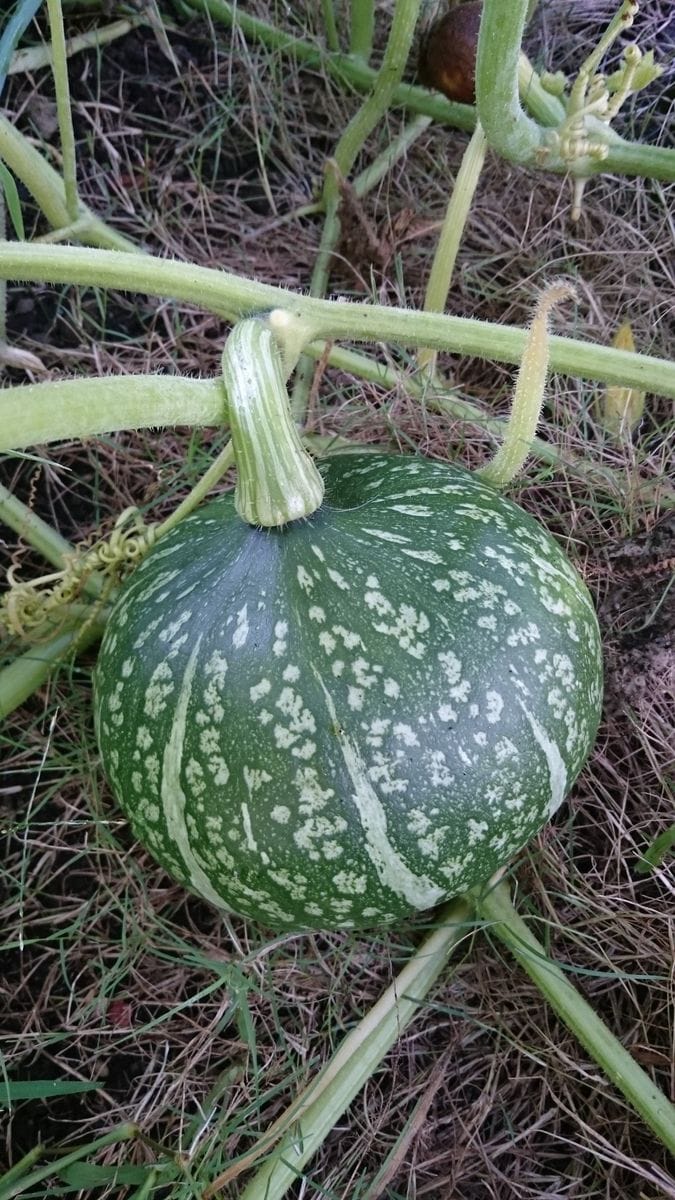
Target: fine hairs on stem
(528, 396)
(226, 293)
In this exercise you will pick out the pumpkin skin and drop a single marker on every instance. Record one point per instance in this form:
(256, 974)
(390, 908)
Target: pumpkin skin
(346, 720)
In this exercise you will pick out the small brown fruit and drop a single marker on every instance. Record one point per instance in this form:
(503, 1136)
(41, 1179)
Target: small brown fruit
(447, 60)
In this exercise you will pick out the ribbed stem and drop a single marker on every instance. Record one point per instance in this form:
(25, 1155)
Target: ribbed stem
(277, 481)
(496, 907)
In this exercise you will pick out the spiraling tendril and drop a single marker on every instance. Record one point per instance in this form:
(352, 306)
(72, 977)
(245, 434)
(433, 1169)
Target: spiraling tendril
(44, 601)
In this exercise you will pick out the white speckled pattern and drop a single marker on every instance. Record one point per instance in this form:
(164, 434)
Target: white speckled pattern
(342, 722)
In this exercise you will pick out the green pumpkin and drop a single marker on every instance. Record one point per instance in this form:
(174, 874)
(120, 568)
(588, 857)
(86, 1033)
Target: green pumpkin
(343, 721)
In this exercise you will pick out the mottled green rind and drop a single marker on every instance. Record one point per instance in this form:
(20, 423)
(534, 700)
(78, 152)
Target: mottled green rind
(343, 722)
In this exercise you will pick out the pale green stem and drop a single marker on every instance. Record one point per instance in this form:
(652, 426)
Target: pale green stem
(32, 529)
(362, 29)
(46, 186)
(591, 63)
(38, 534)
(310, 1118)
(631, 158)
(222, 292)
(605, 479)
(318, 284)
(369, 178)
(528, 396)
(121, 1133)
(496, 908)
(550, 109)
(30, 670)
(456, 216)
(67, 233)
(209, 479)
(63, 109)
(36, 405)
(380, 99)
(292, 335)
(35, 57)
(329, 24)
(349, 146)
(79, 408)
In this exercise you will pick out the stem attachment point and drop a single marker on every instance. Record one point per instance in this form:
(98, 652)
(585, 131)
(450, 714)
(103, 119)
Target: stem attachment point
(277, 480)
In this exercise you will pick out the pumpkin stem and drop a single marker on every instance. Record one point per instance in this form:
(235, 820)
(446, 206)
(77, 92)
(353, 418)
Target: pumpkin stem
(528, 396)
(277, 480)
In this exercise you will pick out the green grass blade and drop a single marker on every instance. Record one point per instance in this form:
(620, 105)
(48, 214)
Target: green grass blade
(121, 1133)
(655, 854)
(91, 1175)
(14, 1090)
(19, 21)
(12, 200)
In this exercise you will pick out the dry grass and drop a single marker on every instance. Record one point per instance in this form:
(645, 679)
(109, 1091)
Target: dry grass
(115, 974)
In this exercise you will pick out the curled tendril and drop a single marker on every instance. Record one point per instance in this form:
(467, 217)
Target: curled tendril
(27, 606)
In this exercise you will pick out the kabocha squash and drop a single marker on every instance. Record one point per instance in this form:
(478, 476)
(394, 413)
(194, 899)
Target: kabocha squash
(341, 721)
